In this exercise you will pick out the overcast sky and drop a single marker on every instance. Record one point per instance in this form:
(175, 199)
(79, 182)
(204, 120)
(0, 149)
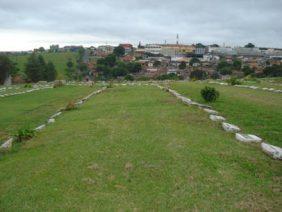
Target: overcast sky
(28, 24)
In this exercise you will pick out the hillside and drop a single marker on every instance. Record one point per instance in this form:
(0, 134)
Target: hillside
(59, 60)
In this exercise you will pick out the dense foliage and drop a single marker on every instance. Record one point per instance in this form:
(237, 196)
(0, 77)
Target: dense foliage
(198, 75)
(170, 76)
(37, 69)
(111, 67)
(119, 51)
(273, 71)
(7, 67)
(209, 94)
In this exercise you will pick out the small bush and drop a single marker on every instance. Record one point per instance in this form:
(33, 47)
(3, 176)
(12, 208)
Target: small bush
(129, 77)
(233, 81)
(58, 84)
(110, 85)
(209, 94)
(28, 86)
(71, 106)
(24, 134)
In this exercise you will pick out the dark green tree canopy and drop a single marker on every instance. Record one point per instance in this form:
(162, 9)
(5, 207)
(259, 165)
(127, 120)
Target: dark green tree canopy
(7, 67)
(182, 65)
(119, 51)
(37, 69)
(250, 45)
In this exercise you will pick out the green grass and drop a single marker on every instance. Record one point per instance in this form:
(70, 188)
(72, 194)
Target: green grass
(59, 60)
(255, 111)
(275, 83)
(32, 109)
(138, 148)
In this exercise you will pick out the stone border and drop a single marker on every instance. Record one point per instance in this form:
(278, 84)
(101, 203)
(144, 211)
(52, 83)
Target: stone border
(273, 151)
(249, 86)
(7, 145)
(38, 87)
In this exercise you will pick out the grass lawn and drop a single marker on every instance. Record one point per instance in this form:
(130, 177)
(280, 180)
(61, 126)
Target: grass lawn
(137, 148)
(32, 109)
(255, 111)
(59, 60)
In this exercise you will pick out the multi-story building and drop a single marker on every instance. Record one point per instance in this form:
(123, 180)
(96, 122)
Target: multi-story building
(200, 49)
(153, 48)
(127, 47)
(177, 50)
(105, 50)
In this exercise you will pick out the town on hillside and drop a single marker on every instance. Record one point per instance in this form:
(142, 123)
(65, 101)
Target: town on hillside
(160, 62)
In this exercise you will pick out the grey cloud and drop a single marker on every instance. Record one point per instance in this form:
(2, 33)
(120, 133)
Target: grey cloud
(217, 21)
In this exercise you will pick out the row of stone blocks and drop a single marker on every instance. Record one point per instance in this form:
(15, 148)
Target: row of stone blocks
(250, 87)
(7, 145)
(273, 151)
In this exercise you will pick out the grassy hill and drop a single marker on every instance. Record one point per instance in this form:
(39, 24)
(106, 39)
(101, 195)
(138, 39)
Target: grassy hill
(59, 60)
(138, 149)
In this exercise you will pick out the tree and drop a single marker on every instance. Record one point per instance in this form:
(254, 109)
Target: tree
(42, 68)
(237, 64)
(7, 67)
(51, 72)
(247, 70)
(32, 68)
(41, 49)
(250, 45)
(182, 65)
(157, 63)
(134, 67)
(224, 67)
(194, 60)
(119, 51)
(129, 77)
(70, 70)
(273, 71)
(81, 52)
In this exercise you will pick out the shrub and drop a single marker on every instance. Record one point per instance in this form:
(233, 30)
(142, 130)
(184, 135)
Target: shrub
(215, 75)
(24, 134)
(273, 71)
(28, 86)
(71, 106)
(58, 84)
(209, 94)
(110, 85)
(129, 77)
(233, 81)
(143, 78)
(198, 75)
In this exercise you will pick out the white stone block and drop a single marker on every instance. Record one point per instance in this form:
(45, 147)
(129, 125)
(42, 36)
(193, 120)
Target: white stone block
(55, 115)
(41, 127)
(217, 118)
(209, 111)
(79, 102)
(7, 145)
(248, 138)
(230, 127)
(50, 121)
(273, 151)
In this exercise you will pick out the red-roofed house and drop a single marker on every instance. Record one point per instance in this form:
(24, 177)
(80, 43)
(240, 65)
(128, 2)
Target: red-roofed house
(127, 47)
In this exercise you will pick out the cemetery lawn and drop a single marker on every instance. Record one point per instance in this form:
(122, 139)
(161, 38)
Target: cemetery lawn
(138, 148)
(255, 111)
(32, 109)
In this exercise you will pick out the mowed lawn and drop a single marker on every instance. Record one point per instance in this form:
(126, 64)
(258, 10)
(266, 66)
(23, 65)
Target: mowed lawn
(59, 59)
(138, 148)
(255, 111)
(32, 109)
